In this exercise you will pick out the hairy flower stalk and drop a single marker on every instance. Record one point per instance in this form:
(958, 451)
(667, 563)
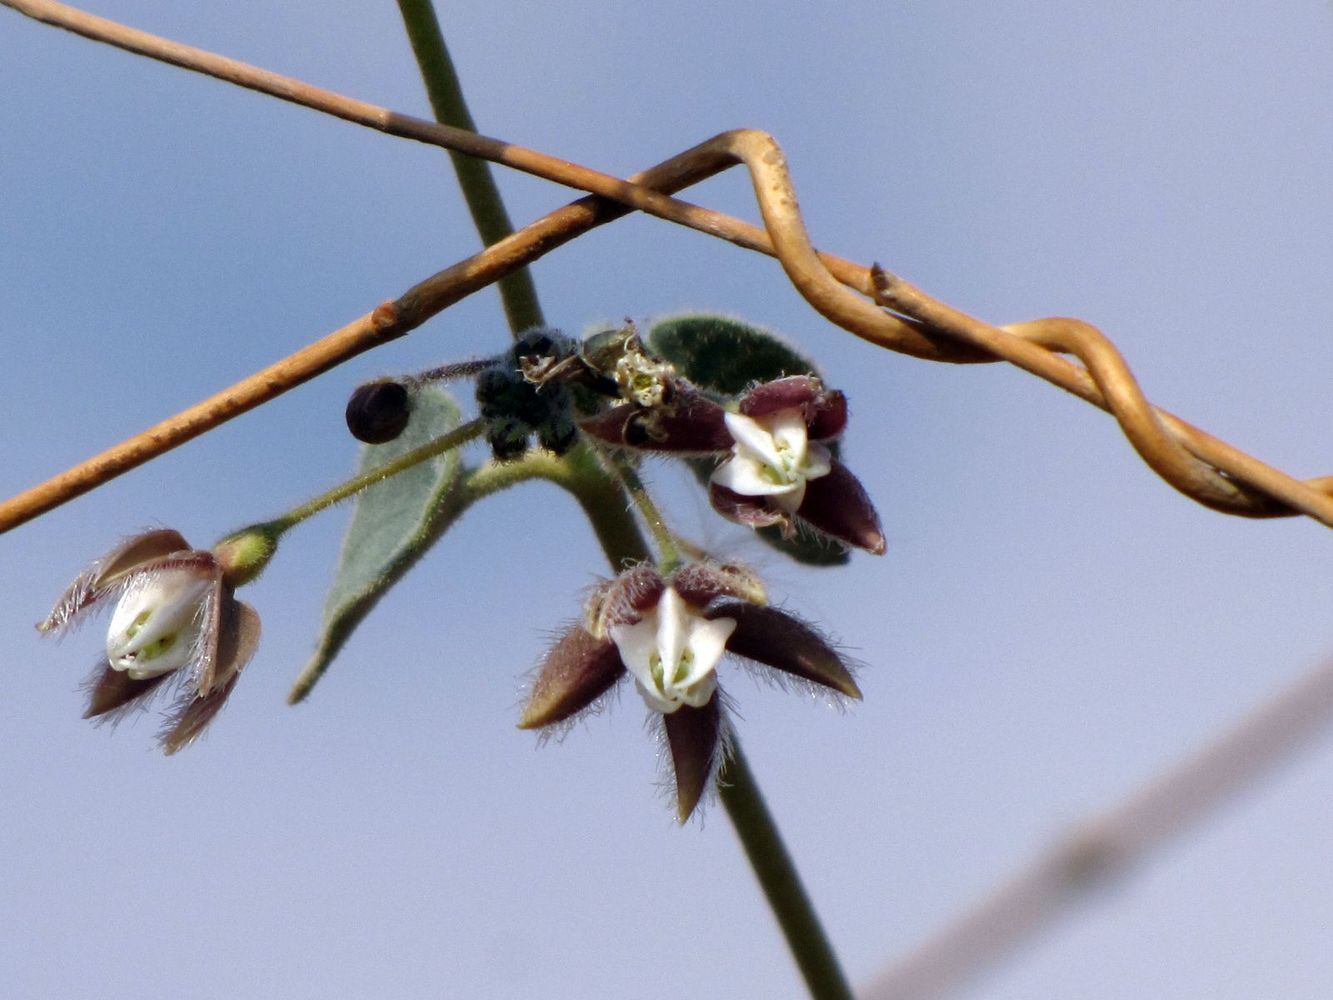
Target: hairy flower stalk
(175, 624)
(669, 634)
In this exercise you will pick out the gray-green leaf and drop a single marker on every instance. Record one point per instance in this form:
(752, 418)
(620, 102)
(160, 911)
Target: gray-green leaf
(725, 355)
(394, 523)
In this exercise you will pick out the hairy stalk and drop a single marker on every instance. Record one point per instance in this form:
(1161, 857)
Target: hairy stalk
(668, 556)
(445, 442)
(517, 291)
(449, 372)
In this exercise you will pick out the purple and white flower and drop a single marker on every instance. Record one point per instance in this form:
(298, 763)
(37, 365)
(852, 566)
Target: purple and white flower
(670, 634)
(176, 624)
(779, 466)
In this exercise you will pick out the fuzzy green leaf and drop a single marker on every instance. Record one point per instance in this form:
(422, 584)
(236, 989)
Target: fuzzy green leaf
(394, 523)
(727, 356)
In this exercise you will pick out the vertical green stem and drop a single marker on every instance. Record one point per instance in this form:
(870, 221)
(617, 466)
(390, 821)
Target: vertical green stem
(779, 879)
(603, 499)
(517, 291)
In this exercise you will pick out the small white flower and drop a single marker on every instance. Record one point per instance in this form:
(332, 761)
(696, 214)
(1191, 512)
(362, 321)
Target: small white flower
(672, 652)
(772, 457)
(159, 623)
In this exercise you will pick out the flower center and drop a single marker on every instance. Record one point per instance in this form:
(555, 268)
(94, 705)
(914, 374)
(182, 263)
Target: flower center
(772, 457)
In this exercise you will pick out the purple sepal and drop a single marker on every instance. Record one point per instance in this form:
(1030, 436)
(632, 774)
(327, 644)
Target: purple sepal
(824, 410)
(576, 672)
(694, 735)
(751, 511)
(784, 642)
(838, 506)
(689, 424)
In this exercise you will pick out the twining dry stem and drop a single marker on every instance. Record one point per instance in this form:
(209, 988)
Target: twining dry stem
(1200, 466)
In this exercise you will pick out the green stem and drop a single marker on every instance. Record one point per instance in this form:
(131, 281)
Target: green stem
(668, 554)
(779, 879)
(603, 500)
(517, 291)
(445, 442)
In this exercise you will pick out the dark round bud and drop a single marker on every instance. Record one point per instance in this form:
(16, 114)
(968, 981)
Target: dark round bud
(557, 434)
(508, 438)
(497, 390)
(378, 412)
(536, 343)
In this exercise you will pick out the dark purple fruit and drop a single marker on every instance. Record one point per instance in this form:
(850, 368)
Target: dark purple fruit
(378, 412)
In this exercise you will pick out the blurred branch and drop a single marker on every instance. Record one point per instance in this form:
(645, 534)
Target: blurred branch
(1199, 465)
(1108, 847)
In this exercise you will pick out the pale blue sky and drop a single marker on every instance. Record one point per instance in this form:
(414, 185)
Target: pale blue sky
(1051, 625)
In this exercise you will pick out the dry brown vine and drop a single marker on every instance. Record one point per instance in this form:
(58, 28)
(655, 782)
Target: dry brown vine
(1197, 464)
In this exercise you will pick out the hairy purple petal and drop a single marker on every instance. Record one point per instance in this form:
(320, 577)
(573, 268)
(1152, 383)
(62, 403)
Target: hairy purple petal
(624, 600)
(237, 640)
(793, 392)
(754, 512)
(111, 690)
(700, 583)
(689, 424)
(784, 642)
(141, 549)
(104, 576)
(576, 672)
(192, 715)
(838, 506)
(824, 410)
(694, 735)
(829, 417)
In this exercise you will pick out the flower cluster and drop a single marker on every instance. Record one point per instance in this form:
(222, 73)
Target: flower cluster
(779, 466)
(176, 624)
(774, 451)
(669, 634)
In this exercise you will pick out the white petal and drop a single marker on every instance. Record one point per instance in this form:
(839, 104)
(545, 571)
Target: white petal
(673, 633)
(818, 462)
(790, 435)
(750, 478)
(157, 625)
(791, 499)
(708, 641)
(752, 439)
(638, 645)
(672, 653)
